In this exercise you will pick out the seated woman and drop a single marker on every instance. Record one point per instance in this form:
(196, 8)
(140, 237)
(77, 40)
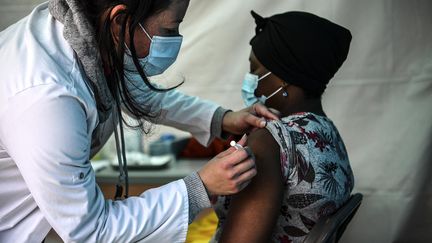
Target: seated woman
(303, 167)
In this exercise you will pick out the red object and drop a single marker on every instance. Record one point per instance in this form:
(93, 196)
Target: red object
(195, 150)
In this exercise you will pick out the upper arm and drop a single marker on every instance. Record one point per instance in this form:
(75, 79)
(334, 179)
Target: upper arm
(253, 212)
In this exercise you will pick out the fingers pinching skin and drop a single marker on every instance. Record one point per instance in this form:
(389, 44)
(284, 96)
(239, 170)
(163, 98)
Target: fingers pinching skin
(255, 121)
(262, 111)
(229, 172)
(275, 112)
(249, 151)
(236, 157)
(244, 179)
(243, 140)
(226, 152)
(244, 166)
(247, 176)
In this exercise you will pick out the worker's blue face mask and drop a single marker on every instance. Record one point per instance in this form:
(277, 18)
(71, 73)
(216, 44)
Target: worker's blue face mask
(162, 54)
(249, 85)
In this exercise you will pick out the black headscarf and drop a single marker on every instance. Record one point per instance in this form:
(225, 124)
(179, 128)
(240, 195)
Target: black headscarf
(301, 48)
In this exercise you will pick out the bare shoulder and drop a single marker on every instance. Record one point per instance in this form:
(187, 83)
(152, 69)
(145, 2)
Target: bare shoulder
(266, 151)
(263, 143)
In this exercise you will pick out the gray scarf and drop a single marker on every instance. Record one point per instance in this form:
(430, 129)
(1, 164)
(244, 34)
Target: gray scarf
(80, 35)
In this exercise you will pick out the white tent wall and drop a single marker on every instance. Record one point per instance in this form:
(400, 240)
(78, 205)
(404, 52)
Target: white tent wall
(380, 100)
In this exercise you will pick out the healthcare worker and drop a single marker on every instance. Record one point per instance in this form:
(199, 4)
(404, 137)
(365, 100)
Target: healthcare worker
(67, 70)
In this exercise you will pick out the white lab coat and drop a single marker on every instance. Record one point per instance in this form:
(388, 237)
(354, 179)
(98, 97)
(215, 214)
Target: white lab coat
(47, 116)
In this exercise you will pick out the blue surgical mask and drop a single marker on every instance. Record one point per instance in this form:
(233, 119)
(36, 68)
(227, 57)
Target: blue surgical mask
(162, 54)
(249, 85)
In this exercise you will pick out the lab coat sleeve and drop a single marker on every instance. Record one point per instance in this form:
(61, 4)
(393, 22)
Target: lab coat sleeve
(48, 139)
(203, 119)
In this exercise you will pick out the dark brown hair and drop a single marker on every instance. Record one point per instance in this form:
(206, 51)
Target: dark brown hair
(136, 12)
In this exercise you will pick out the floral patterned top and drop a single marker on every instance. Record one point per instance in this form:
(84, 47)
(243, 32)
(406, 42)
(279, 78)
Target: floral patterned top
(316, 171)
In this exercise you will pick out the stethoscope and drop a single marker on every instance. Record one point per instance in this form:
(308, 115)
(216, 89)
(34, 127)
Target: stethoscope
(123, 178)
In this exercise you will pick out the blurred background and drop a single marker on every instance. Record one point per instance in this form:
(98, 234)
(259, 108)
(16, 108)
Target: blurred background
(380, 100)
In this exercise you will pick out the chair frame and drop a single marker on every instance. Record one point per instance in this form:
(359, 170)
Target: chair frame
(330, 229)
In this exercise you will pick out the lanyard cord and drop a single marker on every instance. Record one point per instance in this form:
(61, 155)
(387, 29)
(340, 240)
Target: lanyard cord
(121, 178)
(121, 157)
(123, 150)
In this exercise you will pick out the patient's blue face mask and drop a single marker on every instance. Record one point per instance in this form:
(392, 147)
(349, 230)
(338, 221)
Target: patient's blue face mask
(249, 85)
(162, 54)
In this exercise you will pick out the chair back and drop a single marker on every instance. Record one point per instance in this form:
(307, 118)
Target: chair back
(330, 229)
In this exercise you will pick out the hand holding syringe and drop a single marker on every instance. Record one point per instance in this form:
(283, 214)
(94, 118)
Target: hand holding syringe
(230, 171)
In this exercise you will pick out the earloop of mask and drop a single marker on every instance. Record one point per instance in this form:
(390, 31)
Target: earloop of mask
(145, 31)
(275, 92)
(264, 76)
